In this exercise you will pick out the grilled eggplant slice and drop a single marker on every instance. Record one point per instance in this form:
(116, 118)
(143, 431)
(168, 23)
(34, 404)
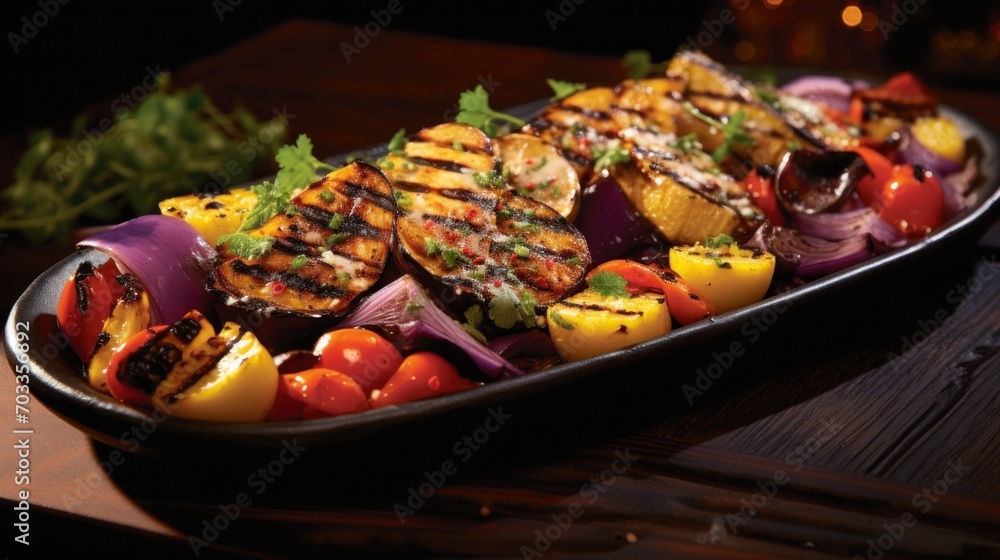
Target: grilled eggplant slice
(462, 222)
(332, 249)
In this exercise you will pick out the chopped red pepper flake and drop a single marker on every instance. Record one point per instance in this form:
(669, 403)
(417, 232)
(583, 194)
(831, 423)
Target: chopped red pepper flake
(513, 257)
(471, 214)
(452, 235)
(479, 260)
(548, 264)
(584, 141)
(542, 283)
(528, 161)
(497, 283)
(530, 185)
(278, 288)
(429, 224)
(500, 206)
(467, 252)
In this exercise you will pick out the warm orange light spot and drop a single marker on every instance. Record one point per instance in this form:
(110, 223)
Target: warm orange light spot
(744, 50)
(851, 16)
(774, 3)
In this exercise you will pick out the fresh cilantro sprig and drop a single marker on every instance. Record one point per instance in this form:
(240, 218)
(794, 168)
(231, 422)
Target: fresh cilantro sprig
(721, 240)
(609, 156)
(474, 109)
(473, 320)
(639, 64)
(562, 89)
(507, 308)
(608, 284)
(732, 133)
(398, 142)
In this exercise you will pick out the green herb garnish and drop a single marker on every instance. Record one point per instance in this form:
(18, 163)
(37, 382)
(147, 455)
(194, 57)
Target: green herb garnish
(559, 321)
(475, 109)
(608, 284)
(403, 200)
(473, 319)
(731, 131)
(721, 240)
(688, 143)
(335, 221)
(298, 262)
(563, 89)
(398, 142)
(337, 238)
(639, 64)
(246, 246)
(608, 157)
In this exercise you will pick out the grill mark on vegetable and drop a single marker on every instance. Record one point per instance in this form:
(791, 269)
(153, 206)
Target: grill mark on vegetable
(469, 196)
(595, 307)
(133, 287)
(718, 96)
(441, 164)
(549, 225)
(352, 223)
(185, 330)
(84, 271)
(144, 371)
(289, 279)
(291, 246)
(368, 265)
(383, 201)
(590, 113)
(103, 338)
(451, 222)
(410, 186)
(205, 368)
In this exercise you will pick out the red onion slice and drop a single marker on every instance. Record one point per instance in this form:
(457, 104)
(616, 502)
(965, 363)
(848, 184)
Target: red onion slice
(828, 90)
(914, 152)
(609, 222)
(168, 255)
(404, 305)
(838, 226)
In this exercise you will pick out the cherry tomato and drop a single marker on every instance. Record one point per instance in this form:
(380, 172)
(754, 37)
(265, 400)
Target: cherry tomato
(683, 300)
(422, 375)
(117, 384)
(361, 354)
(911, 200)
(84, 305)
(761, 190)
(879, 166)
(326, 390)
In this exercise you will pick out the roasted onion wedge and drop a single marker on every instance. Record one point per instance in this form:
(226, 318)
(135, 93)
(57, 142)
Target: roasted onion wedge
(332, 249)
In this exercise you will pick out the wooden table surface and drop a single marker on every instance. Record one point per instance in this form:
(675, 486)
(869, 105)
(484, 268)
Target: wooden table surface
(864, 424)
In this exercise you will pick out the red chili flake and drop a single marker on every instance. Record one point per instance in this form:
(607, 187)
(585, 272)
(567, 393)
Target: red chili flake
(479, 260)
(471, 214)
(429, 224)
(530, 185)
(499, 206)
(542, 283)
(548, 264)
(452, 235)
(528, 161)
(278, 288)
(584, 141)
(513, 257)
(467, 252)
(497, 283)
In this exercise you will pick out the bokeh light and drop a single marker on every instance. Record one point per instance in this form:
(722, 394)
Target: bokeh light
(851, 16)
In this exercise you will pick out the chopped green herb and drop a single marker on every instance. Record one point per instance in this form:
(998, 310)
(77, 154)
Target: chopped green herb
(771, 98)
(398, 142)
(793, 145)
(527, 309)
(576, 128)
(639, 64)
(457, 146)
(608, 284)
(478, 274)
(542, 163)
(413, 308)
(475, 109)
(452, 257)
(574, 260)
(403, 200)
(385, 164)
(245, 246)
(608, 157)
(720, 263)
(557, 192)
(504, 214)
(326, 195)
(688, 143)
(337, 238)
(343, 278)
(522, 251)
(563, 89)
(492, 179)
(721, 240)
(298, 262)
(559, 321)
(731, 131)
(335, 221)
(431, 246)
(525, 226)
(473, 319)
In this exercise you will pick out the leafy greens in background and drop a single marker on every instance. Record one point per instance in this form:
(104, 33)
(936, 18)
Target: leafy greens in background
(167, 146)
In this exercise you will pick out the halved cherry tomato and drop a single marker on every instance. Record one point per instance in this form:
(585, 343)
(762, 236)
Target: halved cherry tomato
(120, 390)
(761, 190)
(911, 200)
(363, 355)
(422, 375)
(325, 390)
(84, 305)
(684, 302)
(870, 186)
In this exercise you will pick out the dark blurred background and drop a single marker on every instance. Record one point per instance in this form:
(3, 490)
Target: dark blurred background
(90, 51)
